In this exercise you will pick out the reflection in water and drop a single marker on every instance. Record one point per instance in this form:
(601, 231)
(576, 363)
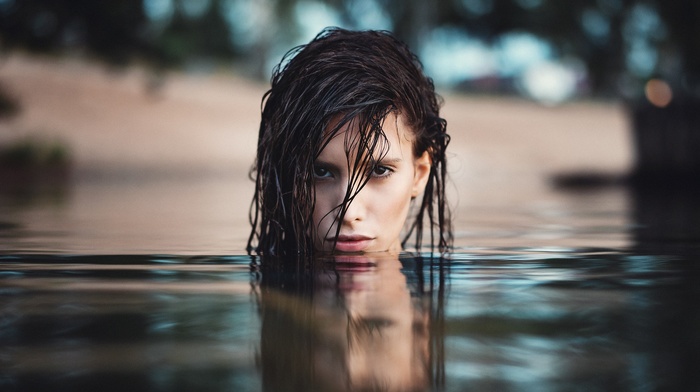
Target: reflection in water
(495, 319)
(666, 216)
(125, 323)
(348, 323)
(24, 188)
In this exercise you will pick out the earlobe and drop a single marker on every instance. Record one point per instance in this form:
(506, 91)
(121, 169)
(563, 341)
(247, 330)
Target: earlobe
(421, 174)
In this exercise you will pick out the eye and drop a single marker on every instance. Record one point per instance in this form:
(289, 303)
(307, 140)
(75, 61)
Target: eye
(322, 172)
(381, 171)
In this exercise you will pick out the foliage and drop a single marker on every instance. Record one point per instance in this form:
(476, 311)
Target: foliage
(114, 30)
(119, 30)
(9, 106)
(34, 153)
(601, 33)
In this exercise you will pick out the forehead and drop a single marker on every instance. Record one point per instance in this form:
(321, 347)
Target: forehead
(395, 137)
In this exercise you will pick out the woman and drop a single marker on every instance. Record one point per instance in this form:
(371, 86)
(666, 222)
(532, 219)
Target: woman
(350, 139)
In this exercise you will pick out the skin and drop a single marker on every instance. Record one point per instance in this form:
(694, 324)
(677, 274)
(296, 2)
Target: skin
(376, 216)
(370, 328)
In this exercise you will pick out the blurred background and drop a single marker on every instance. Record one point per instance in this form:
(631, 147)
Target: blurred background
(129, 126)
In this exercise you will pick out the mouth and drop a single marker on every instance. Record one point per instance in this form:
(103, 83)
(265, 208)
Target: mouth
(351, 243)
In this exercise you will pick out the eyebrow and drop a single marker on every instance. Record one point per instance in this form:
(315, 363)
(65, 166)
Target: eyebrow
(384, 161)
(321, 162)
(389, 161)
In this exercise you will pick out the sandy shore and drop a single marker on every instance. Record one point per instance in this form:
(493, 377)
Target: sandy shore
(202, 127)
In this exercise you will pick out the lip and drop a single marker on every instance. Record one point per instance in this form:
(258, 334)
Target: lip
(351, 243)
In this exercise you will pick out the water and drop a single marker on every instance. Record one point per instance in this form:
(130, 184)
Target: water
(101, 288)
(525, 319)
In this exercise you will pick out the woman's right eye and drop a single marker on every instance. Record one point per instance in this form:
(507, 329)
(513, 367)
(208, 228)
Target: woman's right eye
(321, 172)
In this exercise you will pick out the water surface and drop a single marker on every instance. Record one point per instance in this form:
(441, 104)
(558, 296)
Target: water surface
(502, 319)
(140, 284)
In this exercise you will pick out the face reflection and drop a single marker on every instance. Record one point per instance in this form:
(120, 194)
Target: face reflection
(379, 338)
(355, 325)
(375, 217)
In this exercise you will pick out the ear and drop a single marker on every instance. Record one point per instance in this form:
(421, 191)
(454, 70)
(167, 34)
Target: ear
(421, 173)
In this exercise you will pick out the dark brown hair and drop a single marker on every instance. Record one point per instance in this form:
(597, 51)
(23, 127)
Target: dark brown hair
(341, 77)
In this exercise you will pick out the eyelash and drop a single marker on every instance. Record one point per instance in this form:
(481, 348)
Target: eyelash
(322, 172)
(387, 171)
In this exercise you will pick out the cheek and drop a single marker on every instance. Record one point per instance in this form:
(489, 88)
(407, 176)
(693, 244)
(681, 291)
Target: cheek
(322, 210)
(395, 202)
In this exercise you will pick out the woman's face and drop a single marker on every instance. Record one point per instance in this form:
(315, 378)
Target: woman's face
(375, 217)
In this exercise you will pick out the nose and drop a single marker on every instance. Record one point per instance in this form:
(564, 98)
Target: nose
(356, 209)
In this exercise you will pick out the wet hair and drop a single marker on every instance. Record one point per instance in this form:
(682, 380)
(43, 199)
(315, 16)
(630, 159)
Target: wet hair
(342, 78)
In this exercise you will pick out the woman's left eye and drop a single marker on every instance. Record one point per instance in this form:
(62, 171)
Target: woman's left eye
(381, 171)
(321, 172)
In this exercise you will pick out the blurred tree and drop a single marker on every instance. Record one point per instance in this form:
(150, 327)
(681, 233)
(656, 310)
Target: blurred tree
(682, 19)
(623, 43)
(114, 30)
(630, 48)
(601, 33)
(667, 132)
(9, 106)
(194, 36)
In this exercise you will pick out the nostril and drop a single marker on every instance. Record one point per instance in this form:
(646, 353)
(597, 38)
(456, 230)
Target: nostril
(354, 212)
